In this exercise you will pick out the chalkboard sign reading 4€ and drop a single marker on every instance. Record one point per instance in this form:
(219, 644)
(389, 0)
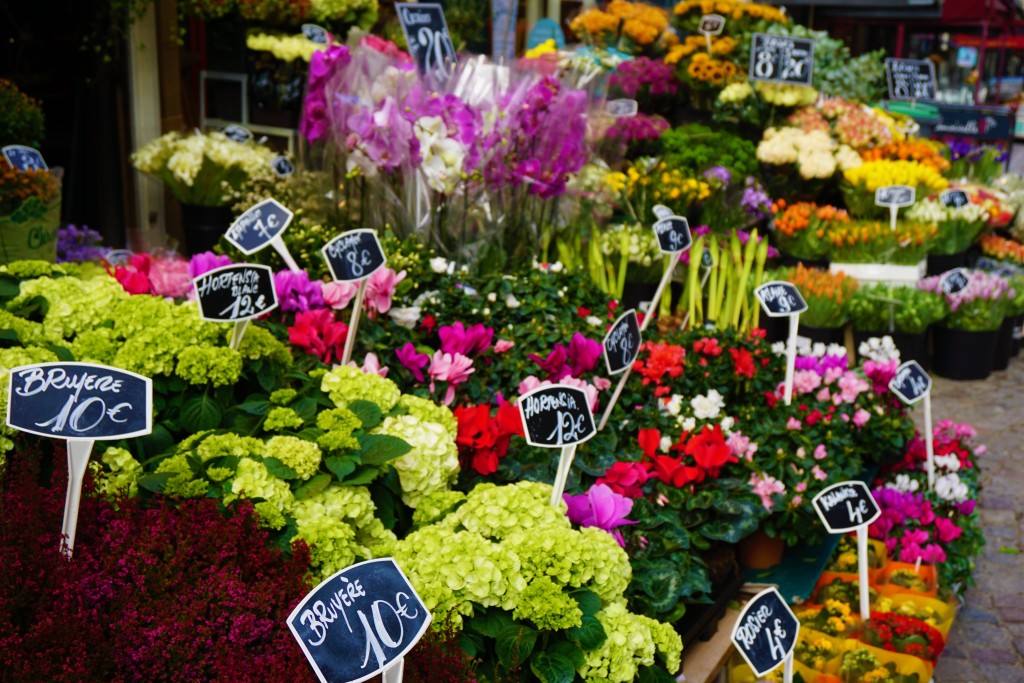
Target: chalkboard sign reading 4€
(910, 382)
(359, 622)
(556, 416)
(234, 293)
(781, 59)
(766, 631)
(81, 401)
(260, 224)
(846, 506)
(354, 255)
(622, 343)
(894, 195)
(673, 233)
(779, 299)
(955, 281)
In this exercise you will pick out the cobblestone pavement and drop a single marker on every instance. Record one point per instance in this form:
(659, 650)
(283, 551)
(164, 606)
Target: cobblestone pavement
(986, 644)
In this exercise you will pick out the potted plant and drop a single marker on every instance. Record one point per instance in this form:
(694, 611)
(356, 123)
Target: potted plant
(859, 183)
(903, 313)
(875, 242)
(957, 229)
(827, 296)
(801, 229)
(965, 344)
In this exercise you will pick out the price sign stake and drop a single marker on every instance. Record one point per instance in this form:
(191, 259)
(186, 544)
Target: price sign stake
(557, 416)
(83, 403)
(910, 79)
(711, 25)
(912, 384)
(765, 633)
(621, 347)
(673, 235)
(237, 133)
(360, 622)
(894, 196)
(954, 199)
(316, 34)
(781, 59)
(260, 225)
(354, 256)
(778, 300)
(849, 506)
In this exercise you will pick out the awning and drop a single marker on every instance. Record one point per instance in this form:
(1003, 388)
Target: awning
(1010, 42)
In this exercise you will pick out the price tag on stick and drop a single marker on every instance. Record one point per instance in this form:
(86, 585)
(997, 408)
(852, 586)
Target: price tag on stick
(260, 225)
(782, 299)
(430, 44)
(711, 25)
(955, 281)
(954, 199)
(83, 403)
(238, 133)
(912, 384)
(236, 293)
(894, 197)
(24, 158)
(360, 622)
(781, 59)
(621, 347)
(282, 166)
(354, 256)
(765, 633)
(316, 34)
(849, 506)
(557, 416)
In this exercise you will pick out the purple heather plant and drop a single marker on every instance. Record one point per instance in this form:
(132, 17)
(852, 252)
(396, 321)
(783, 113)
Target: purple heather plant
(75, 245)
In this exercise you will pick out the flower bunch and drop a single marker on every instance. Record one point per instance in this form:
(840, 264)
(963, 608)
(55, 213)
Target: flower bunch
(703, 70)
(851, 124)
(76, 244)
(958, 227)
(632, 134)
(695, 148)
(815, 653)
(862, 181)
(912, 149)
(600, 507)
(865, 241)
(200, 168)
(897, 633)
(163, 276)
(815, 154)
(741, 16)
(720, 46)
(832, 616)
(801, 227)
(978, 161)
(25, 188)
(483, 437)
(1003, 249)
(631, 27)
(979, 306)
(910, 528)
(827, 294)
(861, 664)
(885, 308)
(287, 48)
(785, 94)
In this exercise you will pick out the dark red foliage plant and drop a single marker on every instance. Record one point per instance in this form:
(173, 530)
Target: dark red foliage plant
(158, 591)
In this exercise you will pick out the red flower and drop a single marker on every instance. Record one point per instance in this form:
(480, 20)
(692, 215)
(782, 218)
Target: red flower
(813, 417)
(428, 323)
(661, 360)
(649, 440)
(583, 312)
(709, 450)
(483, 440)
(626, 478)
(770, 398)
(708, 346)
(318, 333)
(742, 362)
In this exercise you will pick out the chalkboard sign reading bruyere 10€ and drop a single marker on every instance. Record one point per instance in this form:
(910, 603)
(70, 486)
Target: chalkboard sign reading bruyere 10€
(766, 631)
(359, 622)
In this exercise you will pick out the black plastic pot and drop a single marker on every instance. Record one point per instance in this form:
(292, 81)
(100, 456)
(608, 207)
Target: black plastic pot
(824, 335)
(940, 263)
(963, 355)
(203, 226)
(912, 346)
(1004, 345)
(1018, 334)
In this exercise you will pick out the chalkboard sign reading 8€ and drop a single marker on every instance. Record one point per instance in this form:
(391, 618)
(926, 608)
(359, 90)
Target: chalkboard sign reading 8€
(359, 622)
(354, 255)
(556, 416)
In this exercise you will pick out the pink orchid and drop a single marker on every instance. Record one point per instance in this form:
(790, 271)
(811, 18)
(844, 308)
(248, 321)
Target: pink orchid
(413, 360)
(338, 295)
(453, 368)
(602, 508)
(380, 288)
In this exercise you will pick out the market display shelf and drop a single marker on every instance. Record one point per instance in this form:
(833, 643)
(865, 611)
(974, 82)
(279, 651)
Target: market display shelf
(884, 273)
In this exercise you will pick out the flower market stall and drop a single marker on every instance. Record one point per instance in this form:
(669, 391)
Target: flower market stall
(574, 344)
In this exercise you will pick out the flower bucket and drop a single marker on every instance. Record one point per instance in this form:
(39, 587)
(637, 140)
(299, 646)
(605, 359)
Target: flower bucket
(940, 263)
(760, 551)
(1004, 345)
(932, 611)
(906, 665)
(30, 232)
(203, 226)
(963, 354)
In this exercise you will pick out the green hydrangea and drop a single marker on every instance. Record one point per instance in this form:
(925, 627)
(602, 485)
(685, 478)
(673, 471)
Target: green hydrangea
(340, 526)
(300, 455)
(429, 411)
(212, 445)
(216, 365)
(283, 397)
(548, 606)
(11, 358)
(345, 384)
(252, 480)
(497, 511)
(184, 483)
(116, 472)
(435, 506)
(32, 268)
(280, 418)
(74, 305)
(574, 558)
(95, 346)
(630, 644)
(432, 464)
(28, 331)
(270, 516)
(338, 425)
(258, 343)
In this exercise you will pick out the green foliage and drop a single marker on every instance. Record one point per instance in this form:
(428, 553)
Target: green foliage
(693, 148)
(880, 308)
(21, 117)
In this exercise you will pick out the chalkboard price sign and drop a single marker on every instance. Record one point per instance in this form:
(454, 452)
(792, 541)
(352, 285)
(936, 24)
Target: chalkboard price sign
(237, 133)
(766, 631)
(24, 158)
(622, 108)
(260, 224)
(316, 34)
(910, 79)
(779, 299)
(955, 281)
(910, 382)
(359, 622)
(954, 199)
(781, 59)
(80, 401)
(430, 44)
(711, 24)
(673, 233)
(556, 416)
(846, 506)
(283, 167)
(234, 293)
(354, 255)
(622, 343)
(894, 195)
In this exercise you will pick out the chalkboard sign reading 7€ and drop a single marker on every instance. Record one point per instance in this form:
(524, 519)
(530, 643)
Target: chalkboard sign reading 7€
(766, 631)
(259, 226)
(354, 255)
(359, 622)
(846, 506)
(236, 292)
(622, 343)
(781, 59)
(556, 416)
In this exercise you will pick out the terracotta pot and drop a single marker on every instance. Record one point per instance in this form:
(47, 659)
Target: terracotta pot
(760, 551)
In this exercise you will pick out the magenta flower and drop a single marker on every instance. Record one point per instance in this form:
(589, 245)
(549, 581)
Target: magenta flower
(947, 530)
(554, 366)
(296, 292)
(413, 360)
(453, 368)
(205, 262)
(469, 341)
(602, 508)
(583, 354)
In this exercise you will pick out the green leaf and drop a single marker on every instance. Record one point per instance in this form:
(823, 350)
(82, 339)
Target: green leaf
(472, 644)
(306, 408)
(314, 485)
(200, 413)
(588, 601)
(1007, 550)
(279, 469)
(654, 674)
(266, 377)
(363, 476)
(552, 668)
(588, 635)
(567, 650)
(341, 466)
(63, 354)
(730, 531)
(9, 287)
(155, 482)
(259, 406)
(514, 646)
(378, 449)
(662, 582)
(490, 622)
(367, 412)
